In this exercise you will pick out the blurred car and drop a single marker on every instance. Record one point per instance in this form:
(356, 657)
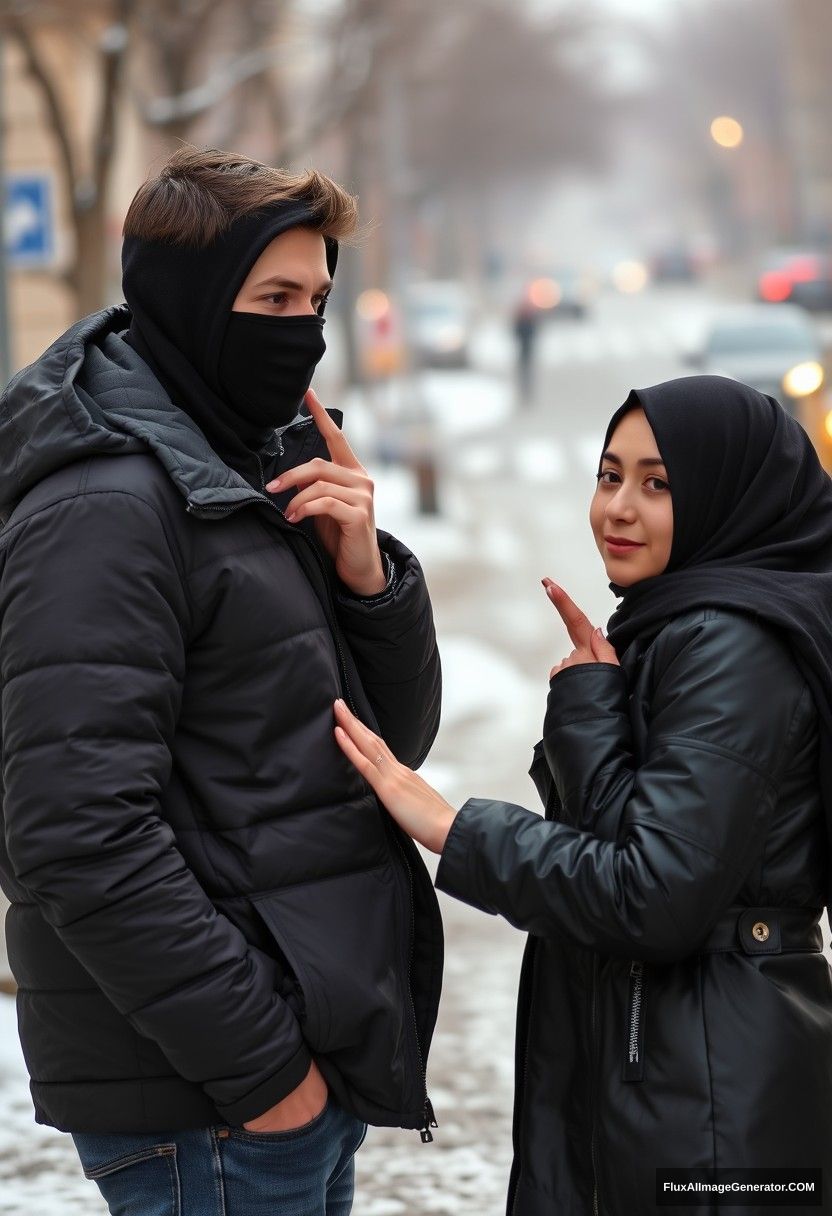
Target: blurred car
(796, 276)
(439, 323)
(674, 264)
(778, 350)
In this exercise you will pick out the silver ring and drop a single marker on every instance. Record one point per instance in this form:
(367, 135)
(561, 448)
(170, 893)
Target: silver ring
(379, 759)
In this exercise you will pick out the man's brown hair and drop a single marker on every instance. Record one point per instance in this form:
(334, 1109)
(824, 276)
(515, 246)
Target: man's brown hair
(198, 194)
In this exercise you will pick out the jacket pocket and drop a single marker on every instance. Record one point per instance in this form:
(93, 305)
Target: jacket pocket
(634, 1057)
(344, 940)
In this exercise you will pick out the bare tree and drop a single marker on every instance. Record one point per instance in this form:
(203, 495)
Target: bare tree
(85, 158)
(197, 60)
(201, 58)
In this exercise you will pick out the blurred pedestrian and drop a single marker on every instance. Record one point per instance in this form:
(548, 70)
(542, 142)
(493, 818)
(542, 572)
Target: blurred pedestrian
(526, 323)
(675, 1006)
(228, 964)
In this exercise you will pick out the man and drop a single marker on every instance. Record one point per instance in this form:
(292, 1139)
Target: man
(228, 962)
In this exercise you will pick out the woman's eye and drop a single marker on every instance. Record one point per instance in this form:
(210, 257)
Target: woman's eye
(608, 477)
(321, 302)
(658, 483)
(278, 298)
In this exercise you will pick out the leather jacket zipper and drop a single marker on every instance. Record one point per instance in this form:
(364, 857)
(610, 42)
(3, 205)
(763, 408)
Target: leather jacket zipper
(634, 1063)
(594, 1024)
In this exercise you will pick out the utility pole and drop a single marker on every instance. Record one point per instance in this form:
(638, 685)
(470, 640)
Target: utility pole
(422, 433)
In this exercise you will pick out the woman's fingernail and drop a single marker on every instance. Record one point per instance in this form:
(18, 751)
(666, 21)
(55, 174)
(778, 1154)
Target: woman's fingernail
(340, 703)
(272, 485)
(291, 518)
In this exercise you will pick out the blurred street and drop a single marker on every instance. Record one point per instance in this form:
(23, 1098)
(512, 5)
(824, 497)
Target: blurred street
(515, 484)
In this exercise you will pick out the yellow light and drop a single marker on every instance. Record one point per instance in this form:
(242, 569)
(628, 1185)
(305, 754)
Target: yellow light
(372, 305)
(545, 293)
(727, 132)
(630, 277)
(827, 424)
(803, 379)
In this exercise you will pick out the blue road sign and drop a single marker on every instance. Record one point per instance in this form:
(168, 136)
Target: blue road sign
(28, 220)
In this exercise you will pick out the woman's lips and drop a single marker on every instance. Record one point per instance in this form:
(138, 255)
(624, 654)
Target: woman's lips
(619, 545)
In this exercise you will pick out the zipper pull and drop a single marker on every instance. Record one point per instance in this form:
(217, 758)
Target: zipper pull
(429, 1122)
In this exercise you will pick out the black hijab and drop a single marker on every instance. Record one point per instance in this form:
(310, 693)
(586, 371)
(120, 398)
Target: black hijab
(752, 527)
(180, 298)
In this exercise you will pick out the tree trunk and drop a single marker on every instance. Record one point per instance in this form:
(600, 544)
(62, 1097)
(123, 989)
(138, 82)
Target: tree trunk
(89, 274)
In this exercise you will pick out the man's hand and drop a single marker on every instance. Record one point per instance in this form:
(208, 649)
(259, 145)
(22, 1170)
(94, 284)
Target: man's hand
(590, 644)
(339, 494)
(301, 1106)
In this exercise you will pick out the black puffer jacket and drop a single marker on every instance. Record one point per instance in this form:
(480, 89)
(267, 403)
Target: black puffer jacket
(204, 893)
(656, 1026)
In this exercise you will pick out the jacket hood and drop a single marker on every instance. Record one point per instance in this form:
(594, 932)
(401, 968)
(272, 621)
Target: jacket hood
(91, 394)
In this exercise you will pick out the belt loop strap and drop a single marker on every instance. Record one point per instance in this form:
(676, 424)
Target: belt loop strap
(759, 931)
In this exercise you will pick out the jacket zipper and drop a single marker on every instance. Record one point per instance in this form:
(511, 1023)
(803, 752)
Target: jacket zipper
(428, 1115)
(594, 1023)
(634, 1063)
(520, 1092)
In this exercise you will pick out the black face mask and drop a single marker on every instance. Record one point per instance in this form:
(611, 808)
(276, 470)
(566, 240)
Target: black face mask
(266, 364)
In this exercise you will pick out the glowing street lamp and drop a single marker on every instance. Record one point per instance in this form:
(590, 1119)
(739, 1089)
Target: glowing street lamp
(727, 132)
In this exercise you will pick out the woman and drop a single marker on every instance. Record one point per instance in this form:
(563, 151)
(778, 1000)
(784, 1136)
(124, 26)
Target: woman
(675, 1008)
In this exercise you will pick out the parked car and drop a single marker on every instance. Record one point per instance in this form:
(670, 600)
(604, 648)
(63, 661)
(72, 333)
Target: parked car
(796, 276)
(439, 317)
(778, 350)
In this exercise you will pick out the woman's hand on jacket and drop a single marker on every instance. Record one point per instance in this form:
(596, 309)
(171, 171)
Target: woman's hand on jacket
(417, 808)
(590, 644)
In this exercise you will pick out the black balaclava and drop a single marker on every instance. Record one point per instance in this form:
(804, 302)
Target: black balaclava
(752, 528)
(237, 375)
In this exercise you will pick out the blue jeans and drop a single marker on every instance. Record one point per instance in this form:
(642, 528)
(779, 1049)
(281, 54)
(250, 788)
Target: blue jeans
(228, 1171)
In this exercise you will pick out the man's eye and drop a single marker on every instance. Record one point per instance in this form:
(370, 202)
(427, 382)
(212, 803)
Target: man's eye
(278, 298)
(322, 302)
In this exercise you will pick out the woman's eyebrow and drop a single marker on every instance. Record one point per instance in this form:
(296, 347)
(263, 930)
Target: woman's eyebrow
(651, 461)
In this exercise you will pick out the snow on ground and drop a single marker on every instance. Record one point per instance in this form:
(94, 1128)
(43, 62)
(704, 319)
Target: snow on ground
(39, 1171)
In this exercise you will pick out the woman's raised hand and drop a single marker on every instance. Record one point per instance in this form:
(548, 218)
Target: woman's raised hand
(415, 805)
(590, 644)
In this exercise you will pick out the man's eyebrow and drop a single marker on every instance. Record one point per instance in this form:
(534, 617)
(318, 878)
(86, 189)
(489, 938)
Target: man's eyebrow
(277, 281)
(651, 461)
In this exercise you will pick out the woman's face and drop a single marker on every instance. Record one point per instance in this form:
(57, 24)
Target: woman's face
(631, 511)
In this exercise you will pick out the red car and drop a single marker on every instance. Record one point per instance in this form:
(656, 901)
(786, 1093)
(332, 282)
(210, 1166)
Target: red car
(798, 277)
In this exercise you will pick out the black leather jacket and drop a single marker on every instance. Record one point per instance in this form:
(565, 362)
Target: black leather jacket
(675, 1008)
(204, 893)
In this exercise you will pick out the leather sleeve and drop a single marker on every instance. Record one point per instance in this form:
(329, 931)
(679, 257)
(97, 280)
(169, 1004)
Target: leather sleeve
(663, 845)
